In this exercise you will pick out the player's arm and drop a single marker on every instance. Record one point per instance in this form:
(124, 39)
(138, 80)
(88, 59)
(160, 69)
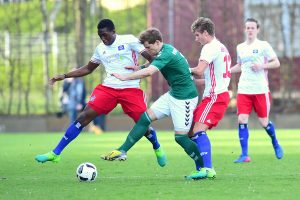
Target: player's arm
(272, 64)
(236, 68)
(82, 71)
(147, 56)
(138, 74)
(198, 71)
(200, 81)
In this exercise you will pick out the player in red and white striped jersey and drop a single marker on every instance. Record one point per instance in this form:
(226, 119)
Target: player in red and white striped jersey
(215, 63)
(254, 59)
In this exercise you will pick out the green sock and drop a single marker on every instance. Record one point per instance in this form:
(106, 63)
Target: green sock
(190, 148)
(137, 132)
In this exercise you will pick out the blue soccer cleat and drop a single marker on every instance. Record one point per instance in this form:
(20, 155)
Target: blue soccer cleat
(242, 159)
(160, 156)
(278, 151)
(50, 156)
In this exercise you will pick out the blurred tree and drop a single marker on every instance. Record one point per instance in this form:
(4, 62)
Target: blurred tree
(80, 14)
(48, 26)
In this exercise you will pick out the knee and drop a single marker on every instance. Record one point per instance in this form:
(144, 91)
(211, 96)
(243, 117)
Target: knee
(243, 119)
(263, 122)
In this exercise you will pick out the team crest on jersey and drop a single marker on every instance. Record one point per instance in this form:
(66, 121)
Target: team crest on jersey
(92, 98)
(255, 50)
(121, 47)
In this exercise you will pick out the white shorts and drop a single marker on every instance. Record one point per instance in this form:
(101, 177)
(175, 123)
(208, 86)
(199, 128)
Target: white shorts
(181, 111)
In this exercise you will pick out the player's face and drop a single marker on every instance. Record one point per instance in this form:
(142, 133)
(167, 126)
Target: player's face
(107, 37)
(251, 30)
(153, 49)
(200, 37)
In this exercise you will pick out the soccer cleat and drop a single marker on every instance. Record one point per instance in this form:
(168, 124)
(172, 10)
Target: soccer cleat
(115, 155)
(50, 156)
(278, 152)
(210, 173)
(160, 156)
(197, 175)
(243, 158)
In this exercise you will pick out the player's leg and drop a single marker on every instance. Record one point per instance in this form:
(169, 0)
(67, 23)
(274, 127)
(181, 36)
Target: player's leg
(207, 115)
(244, 107)
(262, 107)
(136, 133)
(179, 110)
(101, 102)
(141, 127)
(87, 115)
(133, 102)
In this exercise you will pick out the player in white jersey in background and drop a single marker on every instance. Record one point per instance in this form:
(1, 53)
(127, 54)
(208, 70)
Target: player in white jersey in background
(254, 59)
(215, 63)
(115, 53)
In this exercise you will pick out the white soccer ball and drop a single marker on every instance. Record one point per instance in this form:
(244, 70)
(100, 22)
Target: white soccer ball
(86, 172)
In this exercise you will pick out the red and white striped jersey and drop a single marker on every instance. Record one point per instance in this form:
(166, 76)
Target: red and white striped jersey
(259, 52)
(217, 73)
(115, 57)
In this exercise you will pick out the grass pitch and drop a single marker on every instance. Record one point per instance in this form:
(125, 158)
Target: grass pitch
(140, 177)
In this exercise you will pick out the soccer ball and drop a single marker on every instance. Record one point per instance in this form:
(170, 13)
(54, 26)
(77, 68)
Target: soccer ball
(86, 172)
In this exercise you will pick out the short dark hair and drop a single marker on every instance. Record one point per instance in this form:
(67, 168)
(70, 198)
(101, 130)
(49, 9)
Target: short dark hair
(203, 24)
(150, 35)
(106, 23)
(253, 20)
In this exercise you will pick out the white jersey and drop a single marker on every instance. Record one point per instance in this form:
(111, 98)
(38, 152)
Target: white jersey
(123, 52)
(258, 52)
(217, 74)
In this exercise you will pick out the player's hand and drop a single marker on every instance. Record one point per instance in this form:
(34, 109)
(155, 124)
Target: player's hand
(56, 78)
(257, 67)
(118, 76)
(134, 68)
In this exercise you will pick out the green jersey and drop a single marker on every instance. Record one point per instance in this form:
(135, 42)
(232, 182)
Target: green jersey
(175, 68)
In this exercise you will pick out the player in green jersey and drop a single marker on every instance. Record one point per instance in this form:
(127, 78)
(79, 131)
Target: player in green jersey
(179, 102)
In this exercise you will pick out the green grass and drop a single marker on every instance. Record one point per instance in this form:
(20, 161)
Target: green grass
(140, 177)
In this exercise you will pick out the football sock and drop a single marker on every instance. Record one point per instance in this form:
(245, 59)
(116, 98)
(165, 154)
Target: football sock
(271, 132)
(137, 132)
(243, 136)
(204, 147)
(152, 138)
(71, 133)
(190, 148)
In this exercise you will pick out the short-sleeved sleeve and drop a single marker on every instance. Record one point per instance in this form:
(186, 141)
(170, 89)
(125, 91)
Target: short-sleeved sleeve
(208, 53)
(269, 51)
(135, 44)
(96, 58)
(161, 60)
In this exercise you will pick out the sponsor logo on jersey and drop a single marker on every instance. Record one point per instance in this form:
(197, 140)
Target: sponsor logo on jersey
(121, 47)
(255, 50)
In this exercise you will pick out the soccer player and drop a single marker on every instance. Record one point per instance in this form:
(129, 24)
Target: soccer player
(115, 53)
(254, 59)
(179, 102)
(215, 63)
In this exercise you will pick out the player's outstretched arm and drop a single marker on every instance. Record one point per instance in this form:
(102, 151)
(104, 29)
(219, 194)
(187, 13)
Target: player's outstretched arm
(138, 74)
(82, 71)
